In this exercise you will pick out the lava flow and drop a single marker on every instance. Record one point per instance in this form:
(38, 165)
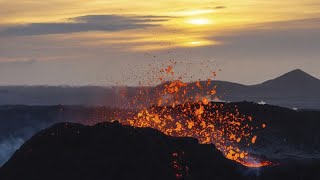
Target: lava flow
(177, 112)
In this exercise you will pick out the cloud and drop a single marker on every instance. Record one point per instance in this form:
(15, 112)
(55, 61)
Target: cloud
(220, 7)
(85, 24)
(17, 63)
(288, 38)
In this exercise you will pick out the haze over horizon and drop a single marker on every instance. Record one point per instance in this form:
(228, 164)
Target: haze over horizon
(98, 42)
(292, 74)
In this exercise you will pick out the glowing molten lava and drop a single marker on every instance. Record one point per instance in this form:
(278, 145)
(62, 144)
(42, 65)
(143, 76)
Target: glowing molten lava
(256, 164)
(177, 112)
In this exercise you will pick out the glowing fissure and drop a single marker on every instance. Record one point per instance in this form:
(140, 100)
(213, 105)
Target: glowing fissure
(179, 114)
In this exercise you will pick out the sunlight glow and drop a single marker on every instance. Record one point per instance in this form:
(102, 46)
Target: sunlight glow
(199, 21)
(200, 43)
(196, 12)
(156, 25)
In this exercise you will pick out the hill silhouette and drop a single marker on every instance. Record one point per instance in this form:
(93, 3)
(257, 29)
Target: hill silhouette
(113, 151)
(292, 77)
(296, 83)
(293, 89)
(289, 133)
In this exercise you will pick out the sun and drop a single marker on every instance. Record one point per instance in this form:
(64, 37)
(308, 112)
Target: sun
(199, 21)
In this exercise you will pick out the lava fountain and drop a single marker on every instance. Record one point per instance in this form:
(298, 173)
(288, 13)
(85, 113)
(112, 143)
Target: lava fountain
(185, 110)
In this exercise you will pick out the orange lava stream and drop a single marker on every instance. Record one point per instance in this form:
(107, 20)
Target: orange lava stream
(256, 164)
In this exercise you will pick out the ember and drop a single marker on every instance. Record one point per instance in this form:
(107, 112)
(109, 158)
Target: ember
(178, 114)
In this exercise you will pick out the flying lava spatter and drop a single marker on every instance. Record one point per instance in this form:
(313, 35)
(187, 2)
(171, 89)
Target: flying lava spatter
(173, 109)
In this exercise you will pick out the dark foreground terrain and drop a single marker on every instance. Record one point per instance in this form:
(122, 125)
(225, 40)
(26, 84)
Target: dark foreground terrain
(112, 151)
(20, 123)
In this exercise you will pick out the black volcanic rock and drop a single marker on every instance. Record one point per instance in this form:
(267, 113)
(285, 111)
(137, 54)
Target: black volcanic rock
(112, 151)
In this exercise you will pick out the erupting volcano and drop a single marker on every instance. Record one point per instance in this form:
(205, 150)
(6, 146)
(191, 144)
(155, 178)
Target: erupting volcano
(173, 110)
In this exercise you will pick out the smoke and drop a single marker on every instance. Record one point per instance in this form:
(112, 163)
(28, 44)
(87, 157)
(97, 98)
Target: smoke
(8, 147)
(9, 143)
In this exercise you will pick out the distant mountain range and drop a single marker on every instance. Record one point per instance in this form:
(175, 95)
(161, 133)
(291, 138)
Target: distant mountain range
(295, 89)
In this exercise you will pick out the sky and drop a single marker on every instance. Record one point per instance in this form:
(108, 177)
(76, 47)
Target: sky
(97, 42)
